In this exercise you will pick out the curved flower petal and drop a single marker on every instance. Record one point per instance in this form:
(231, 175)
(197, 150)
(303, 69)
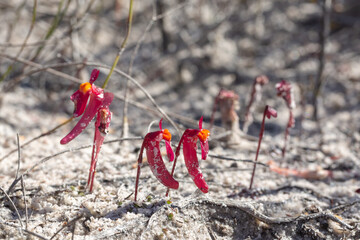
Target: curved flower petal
(200, 122)
(169, 151)
(95, 103)
(80, 100)
(156, 162)
(204, 149)
(160, 124)
(94, 75)
(192, 163)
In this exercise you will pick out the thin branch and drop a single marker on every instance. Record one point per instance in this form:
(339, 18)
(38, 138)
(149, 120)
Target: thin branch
(237, 160)
(12, 203)
(76, 80)
(123, 45)
(14, 45)
(26, 231)
(155, 18)
(26, 209)
(8, 71)
(27, 171)
(250, 209)
(324, 32)
(36, 138)
(67, 225)
(19, 155)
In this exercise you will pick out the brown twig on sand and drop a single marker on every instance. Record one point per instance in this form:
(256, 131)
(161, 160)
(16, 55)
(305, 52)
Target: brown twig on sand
(19, 155)
(34, 139)
(26, 231)
(13, 205)
(73, 221)
(27, 171)
(24, 196)
(250, 209)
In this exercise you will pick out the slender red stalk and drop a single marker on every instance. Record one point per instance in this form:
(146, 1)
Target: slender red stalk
(138, 169)
(189, 140)
(151, 144)
(255, 94)
(284, 90)
(268, 112)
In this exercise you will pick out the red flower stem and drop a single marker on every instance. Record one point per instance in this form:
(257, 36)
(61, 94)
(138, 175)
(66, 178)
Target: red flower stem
(252, 97)
(258, 148)
(177, 154)
(92, 168)
(138, 169)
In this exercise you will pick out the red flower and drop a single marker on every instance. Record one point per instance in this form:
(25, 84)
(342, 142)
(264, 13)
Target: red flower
(152, 145)
(189, 141)
(285, 91)
(98, 106)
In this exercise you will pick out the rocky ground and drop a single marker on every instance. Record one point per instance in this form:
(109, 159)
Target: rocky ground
(190, 51)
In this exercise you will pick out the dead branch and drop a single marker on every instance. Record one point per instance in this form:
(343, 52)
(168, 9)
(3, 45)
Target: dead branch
(26, 231)
(13, 205)
(250, 209)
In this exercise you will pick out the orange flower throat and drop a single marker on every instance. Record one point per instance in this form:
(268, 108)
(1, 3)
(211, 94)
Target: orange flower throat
(204, 135)
(166, 135)
(85, 87)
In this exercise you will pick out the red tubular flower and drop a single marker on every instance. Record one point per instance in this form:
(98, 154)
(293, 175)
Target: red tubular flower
(152, 145)
(189, 141)
(284, 90)
(98, 106)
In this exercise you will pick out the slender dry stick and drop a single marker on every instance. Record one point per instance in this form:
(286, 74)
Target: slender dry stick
(13, 23)
(250, 209)
(27, 171)
(24, 196)
(9, 69)
(125, 122)
(19, 155)
(73, 221)
(324, 32)
(16, 45)
(76, 80)
(27, 231)
(13, 205)
(123, 45)
(59, 16)
(34, 139)
(47, 69)
(155, 17)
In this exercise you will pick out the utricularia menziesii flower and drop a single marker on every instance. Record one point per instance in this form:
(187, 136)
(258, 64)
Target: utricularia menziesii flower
(284, 90)
(151, 144)
(189, 141)
(98, 106)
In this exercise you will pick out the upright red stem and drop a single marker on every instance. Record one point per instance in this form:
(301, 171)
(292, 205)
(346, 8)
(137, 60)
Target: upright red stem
(177, 153)
(138, 169)
(258, 148)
